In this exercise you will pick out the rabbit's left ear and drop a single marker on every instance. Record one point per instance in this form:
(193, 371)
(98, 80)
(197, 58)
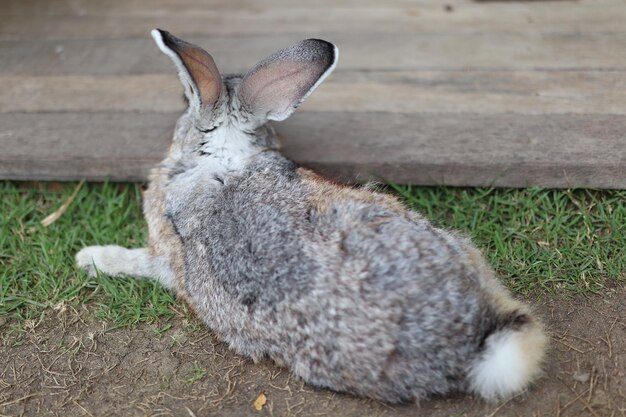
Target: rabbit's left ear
(196, 69)
(275, 87)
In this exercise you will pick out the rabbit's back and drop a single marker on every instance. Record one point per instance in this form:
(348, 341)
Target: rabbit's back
(345, 286)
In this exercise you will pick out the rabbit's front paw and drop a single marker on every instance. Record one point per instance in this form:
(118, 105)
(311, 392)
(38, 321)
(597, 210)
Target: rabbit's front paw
(94, 258)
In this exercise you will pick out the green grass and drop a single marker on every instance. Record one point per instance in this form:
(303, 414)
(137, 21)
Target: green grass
(194, 374)
(539, 241)
(37, 263)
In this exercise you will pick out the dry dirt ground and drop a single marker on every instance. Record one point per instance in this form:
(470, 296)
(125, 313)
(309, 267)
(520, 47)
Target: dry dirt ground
(67, 365)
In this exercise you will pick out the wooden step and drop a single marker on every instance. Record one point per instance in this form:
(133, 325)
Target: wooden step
(506, 94)
(438, 148)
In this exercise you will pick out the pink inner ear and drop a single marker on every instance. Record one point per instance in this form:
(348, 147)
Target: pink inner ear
(204, 72)
(274, 89)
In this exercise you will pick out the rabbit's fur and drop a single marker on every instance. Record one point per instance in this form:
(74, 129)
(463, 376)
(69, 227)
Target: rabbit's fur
(345, 286)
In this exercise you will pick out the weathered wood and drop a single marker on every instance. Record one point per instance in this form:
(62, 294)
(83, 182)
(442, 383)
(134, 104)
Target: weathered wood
(95, 146)
(122, 19)
(487, 92)
(158, 7)
(161, 7)
(454, 149)
(415, 51)
(148, 92)
(505, 94)
(563, 151)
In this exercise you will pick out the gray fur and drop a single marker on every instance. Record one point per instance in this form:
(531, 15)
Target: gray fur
(356, 299)
(347, 288)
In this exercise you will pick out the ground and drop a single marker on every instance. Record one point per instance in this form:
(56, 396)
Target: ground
(74, 345)
(67, 365)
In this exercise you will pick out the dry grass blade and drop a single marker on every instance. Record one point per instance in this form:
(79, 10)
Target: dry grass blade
(59, 212)
(494, 412)
(4, 404)
(83, 408)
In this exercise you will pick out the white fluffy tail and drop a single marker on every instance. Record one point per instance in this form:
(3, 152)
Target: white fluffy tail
(511, 359)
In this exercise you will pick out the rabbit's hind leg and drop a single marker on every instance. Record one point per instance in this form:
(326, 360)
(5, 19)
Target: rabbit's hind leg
(115, 260)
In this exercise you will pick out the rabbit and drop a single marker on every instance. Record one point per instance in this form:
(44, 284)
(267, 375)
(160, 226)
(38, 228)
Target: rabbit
(345, 286)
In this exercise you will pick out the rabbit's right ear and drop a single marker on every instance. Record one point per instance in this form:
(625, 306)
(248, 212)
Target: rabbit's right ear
(276, 86)
(196, 69)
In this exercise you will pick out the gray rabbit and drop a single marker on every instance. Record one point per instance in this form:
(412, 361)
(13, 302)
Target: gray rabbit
(346, 287)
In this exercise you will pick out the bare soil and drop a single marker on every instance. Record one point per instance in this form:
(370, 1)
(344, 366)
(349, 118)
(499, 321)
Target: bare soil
(72, 364)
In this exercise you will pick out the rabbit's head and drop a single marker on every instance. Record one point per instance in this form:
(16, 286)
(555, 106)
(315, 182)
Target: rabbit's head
(241, 105)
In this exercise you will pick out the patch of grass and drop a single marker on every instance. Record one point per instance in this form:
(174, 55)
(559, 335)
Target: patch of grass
(194, 374)
(159, 331)
(37, 267)
(538, 241)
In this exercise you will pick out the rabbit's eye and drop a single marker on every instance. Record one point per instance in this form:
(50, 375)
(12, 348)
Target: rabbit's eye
(211, 129)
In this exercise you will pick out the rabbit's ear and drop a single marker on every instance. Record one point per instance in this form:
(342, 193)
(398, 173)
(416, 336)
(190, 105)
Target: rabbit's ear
(196, 69)
(275, 87)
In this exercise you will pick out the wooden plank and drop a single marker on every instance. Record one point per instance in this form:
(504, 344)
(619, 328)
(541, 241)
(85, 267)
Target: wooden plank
(418, 52)
(454, 149)
(120, 19)
(81, 93)
(485, 92)
(85, 7)
(94, 146)
(561, 151)
(158, 7)
(506, 94)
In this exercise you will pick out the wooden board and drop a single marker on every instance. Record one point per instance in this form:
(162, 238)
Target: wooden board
(480, 93)
(66, 19)
(423, 149)
(486, 92)
(366, 53)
